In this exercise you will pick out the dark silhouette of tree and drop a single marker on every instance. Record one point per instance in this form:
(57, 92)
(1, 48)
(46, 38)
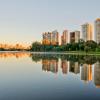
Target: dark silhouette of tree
(91, 45)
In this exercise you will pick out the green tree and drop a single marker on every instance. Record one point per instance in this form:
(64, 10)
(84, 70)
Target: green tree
(36, 46)
(87, 49)
(91, 44)
(81, 44)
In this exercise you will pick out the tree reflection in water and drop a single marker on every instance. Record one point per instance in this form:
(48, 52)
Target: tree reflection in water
(76, 64)
(83, 65)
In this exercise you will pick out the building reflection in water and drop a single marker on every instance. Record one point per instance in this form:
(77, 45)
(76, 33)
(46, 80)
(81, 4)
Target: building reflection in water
(81, 65)
(97, 74)
(64, 66)
(86, 72)
(74, 67)
(50, 65)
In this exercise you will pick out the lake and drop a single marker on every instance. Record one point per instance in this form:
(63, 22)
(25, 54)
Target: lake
(36, 76)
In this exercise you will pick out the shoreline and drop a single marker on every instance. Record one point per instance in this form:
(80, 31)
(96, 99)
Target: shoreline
(69, 52)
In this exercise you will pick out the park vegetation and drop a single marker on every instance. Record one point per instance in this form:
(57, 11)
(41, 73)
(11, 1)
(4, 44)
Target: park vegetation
(81, 46)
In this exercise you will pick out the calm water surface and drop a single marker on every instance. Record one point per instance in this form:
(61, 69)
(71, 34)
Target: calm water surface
(27, 76)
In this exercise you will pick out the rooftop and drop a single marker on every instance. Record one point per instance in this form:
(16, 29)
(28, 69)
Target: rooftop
(98, 19)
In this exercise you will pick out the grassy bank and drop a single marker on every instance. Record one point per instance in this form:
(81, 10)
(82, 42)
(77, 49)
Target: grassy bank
(82, 53)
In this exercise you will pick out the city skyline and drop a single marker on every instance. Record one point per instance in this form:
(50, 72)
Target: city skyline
(23, 21)
(88, 32)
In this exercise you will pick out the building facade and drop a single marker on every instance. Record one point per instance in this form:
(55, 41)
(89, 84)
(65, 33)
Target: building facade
(55, 38)
(47, 38)
(97, 30)
(64, 37)
(74, 37)
(50, 38)
(87, 33)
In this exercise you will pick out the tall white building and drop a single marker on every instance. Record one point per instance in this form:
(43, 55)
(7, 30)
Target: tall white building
(64, 37)
(87, 32)
(97, 30)
(55, 38)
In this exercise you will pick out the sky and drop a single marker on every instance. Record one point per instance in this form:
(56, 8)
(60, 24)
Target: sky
(24, 21)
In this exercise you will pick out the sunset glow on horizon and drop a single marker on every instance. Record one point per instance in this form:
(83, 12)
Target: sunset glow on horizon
(24, 21)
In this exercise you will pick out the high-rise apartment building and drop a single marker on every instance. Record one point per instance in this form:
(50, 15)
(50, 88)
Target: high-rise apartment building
(97, 30)
(47, 38)
(51, 38)
(74, 37)
(64, 37)
(55, 38)
(87, 32)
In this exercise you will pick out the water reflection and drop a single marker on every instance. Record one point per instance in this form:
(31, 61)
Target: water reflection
(50, 65)
(87, 67)
(14, 54)
(84, 66)
(97, 74)
(86, 72)
(64, 66)
(74, 67)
